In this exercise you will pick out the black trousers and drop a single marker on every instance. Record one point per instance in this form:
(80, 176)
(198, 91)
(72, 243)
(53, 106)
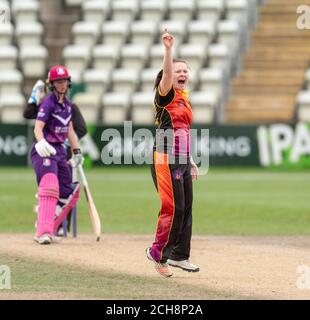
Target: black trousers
(174, 227)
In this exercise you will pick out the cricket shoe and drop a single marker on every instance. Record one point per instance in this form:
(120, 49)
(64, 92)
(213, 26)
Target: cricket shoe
(44, 239)
(184, 265)
(162, 268)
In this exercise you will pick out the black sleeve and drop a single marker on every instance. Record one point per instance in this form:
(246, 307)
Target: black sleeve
(30, 111)
(78, 122)
(162, 101)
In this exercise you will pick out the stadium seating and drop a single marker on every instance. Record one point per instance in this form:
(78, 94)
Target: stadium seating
(210, 10)
(181, 10)
(208, 34)
(11, 107)
(125, 80)
(33, 60)
(25, 11)
(194, 55)
(273, 69)
(142, 112)
(89, 104)
(238, 10)
(153, 10)
(307, 79)
(193, 80)
(134, 56)
(10, 81)
(73, 3)
(76, 57)
(156, 56)
(212, 81)
(85, 33)
(5, 10)
(115, 47)
(228, 32)
(8, 57)
(95, 10)
(29, 34)
(115, 107)
(23, 55)
(115, 32)
(147, 79)
(303, 101)
(124, 10)
(143, 32)
(201, 32)
(96, 80)
(204, 105)
(219, 56)
(106, 56)
(6, 34)
(176, 27)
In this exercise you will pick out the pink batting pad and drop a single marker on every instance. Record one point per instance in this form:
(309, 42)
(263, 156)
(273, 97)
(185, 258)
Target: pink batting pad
(71, 203)
(48, 197)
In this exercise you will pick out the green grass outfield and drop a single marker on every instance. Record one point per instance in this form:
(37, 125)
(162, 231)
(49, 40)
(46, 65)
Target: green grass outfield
(30, 276)
(226, 201)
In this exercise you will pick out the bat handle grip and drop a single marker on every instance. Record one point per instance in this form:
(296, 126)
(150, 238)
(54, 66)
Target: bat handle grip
(74, 175)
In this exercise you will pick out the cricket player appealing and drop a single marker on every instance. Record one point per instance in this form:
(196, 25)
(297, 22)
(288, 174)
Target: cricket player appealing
(173, 168)
(48, 155)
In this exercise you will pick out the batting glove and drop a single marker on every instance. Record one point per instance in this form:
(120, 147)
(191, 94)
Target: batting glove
(77, 158)
(44, 149)
(37, 93)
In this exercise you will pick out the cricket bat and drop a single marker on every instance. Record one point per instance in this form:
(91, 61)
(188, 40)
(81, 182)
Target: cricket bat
(93, 213)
